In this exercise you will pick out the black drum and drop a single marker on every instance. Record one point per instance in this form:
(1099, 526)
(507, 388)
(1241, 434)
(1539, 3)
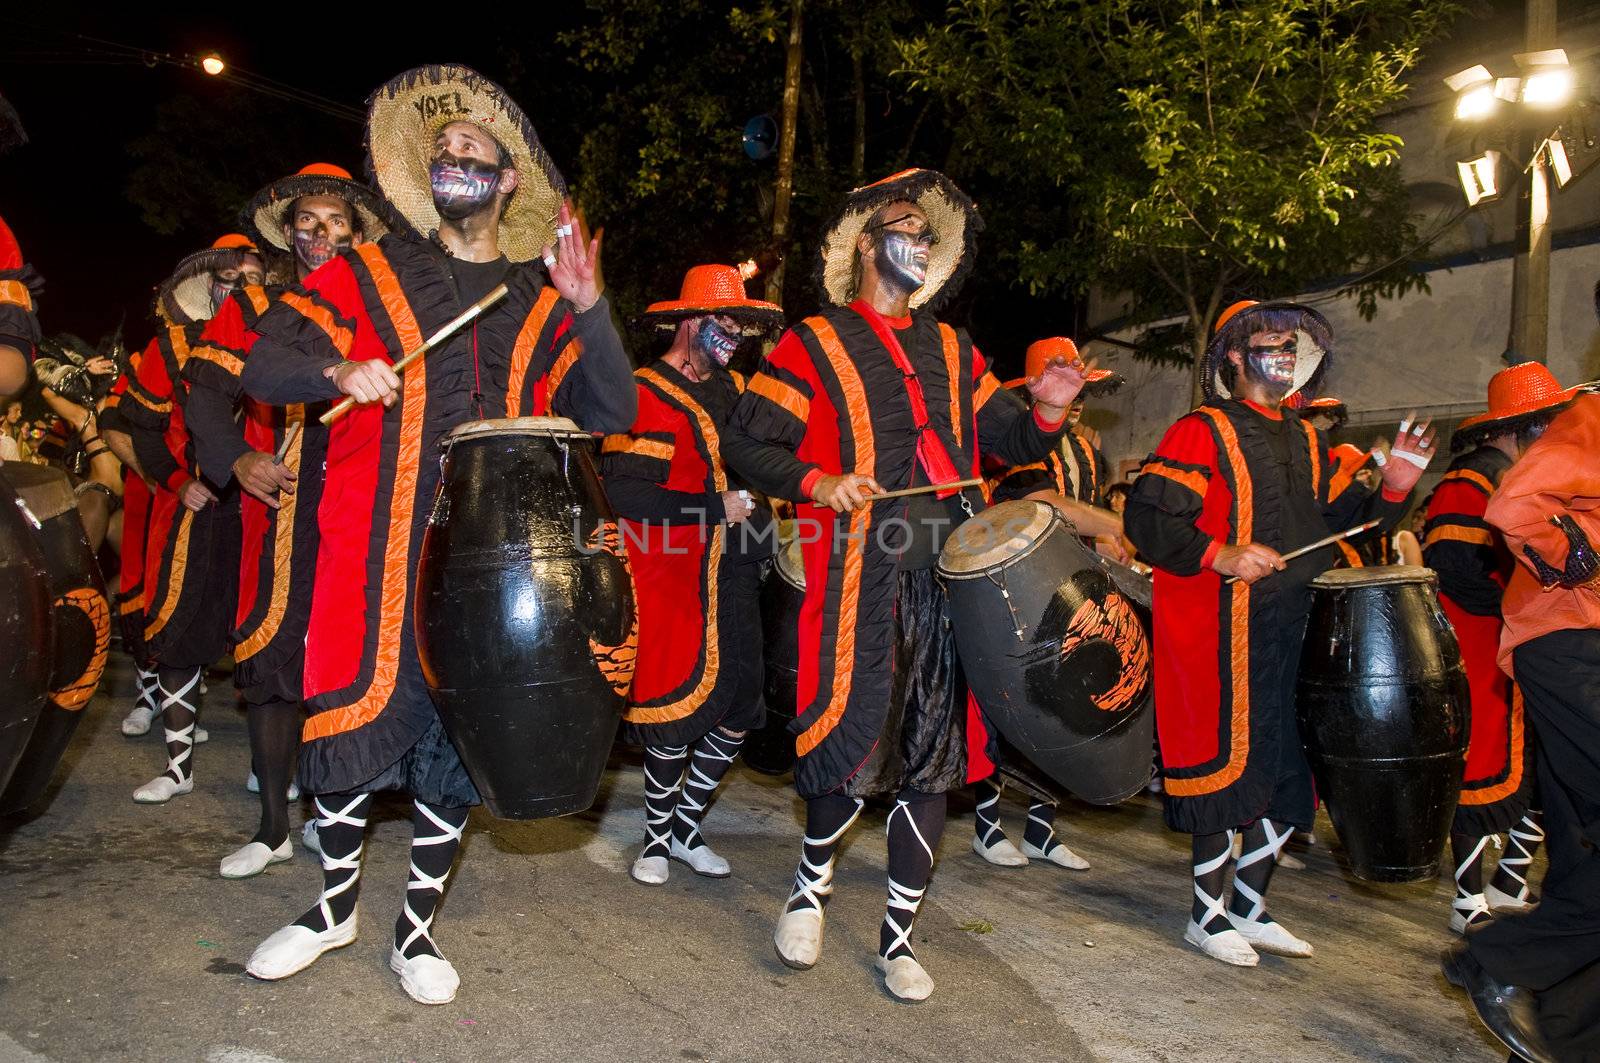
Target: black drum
(1383, 704)
(524, 614)
(25, 627)
(770, 750)
(1056, 655)
(81, 615)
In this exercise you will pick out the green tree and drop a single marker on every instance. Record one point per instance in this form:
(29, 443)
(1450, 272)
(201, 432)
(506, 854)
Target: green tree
(1188, 151)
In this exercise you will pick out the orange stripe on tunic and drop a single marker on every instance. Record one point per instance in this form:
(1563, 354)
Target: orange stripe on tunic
(686, 705)
(1471, 476)
(1182, 477)
(952, 370)
(855, 400)
(402, 501)
(1239, 646)
(1316, 457)
(341, 338)
(282, 548)
(522, 350)
(219, 357)
(15, 293)
(180, 564)
(987, 385)
(1457, 534)
(782, 395)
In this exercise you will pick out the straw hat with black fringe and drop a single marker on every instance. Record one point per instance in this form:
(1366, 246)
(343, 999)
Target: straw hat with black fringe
(951, 214)
(404, 118)
(715, 289)
(267, 210)
(185, 297)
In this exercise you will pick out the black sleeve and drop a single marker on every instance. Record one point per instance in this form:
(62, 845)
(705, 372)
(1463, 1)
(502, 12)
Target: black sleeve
(150, 448)
(1008, 429)
(600, 393)
(1022, 482)
(218, 436)
(280, 375)
(637, 498)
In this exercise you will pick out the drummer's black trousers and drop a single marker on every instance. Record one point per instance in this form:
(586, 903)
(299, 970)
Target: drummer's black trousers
(1555, 949)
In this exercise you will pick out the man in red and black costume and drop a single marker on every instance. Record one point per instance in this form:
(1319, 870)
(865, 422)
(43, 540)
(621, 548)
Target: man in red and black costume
(697, 543)
(192, 544)
(460, 162)
(876, 393)
(1534, 976)
(1070, 478)
(1473, 566)
(311, 216)
(1232, 486)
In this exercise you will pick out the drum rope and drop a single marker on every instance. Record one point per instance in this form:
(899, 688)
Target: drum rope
(1016, 621)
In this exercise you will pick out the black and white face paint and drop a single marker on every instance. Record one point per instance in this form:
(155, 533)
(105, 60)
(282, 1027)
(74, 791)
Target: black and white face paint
(314, 246)
(716, 343)
(222, 288)
(1272, 364)
(902, 258)
(462, 187)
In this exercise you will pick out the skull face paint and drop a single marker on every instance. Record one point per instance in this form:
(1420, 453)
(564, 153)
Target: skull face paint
(313, 247)
(1272, 364)
(902, 258)
(716, 343)
(462, 187)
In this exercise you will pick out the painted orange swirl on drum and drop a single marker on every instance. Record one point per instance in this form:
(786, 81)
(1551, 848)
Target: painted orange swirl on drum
(1115, 623)
(615, 662)
(75, 695)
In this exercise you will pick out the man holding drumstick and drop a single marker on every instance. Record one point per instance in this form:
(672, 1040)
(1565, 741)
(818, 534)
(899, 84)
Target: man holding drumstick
(1232, 487)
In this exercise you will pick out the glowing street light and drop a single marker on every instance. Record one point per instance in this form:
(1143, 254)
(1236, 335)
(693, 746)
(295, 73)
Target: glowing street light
(1547, 78)
(212, 64)
(1480, 178)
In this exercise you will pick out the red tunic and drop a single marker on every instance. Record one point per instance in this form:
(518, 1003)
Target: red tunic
(18, 322)
(136, 497)
(1473, 565)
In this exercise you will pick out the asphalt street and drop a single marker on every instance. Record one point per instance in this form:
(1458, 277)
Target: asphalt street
(120, 941)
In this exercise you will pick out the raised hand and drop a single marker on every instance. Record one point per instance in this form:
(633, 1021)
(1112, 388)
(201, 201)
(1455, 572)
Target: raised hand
(574, 263)
(1412, 450)
(1057, 386)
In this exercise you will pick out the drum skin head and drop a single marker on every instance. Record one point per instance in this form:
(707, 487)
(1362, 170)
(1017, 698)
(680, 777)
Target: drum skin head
(1374, 576)
(1001, 533)
(517, 426)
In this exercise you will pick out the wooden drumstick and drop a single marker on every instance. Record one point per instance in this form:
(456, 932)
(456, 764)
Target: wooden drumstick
(1320, 543)
(288, 441)
(903, 492)
(427, 345)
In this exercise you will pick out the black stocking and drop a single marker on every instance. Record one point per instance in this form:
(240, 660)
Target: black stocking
(274, 737)
(1522, 842)
(915, 824)
(341, 829)
(663, 772)
(180, 707)
(1041, 829)
(827, 819)
(1212, 854)
(435, 838)
(986, 818)
(1262, 840)
(713, 756)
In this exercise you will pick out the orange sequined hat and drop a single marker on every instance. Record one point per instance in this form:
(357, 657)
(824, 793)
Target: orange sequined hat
(715, 289)
(1098, 382)
(1515, 393)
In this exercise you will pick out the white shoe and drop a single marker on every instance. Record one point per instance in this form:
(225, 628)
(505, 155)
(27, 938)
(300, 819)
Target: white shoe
(701, 860)
(650, 870)
(1290, 862)
(1501, 901)
(253, 784)
(1229, 946)
(1270, 937)
(201, 736)
(1469, 911)
(309, 839)
(253, 859)
(427, 979)
(798, 938)
(1002, 853)
(1058, 855)
(905, 979)
(161, 789)
(294, 948)
(138, 720)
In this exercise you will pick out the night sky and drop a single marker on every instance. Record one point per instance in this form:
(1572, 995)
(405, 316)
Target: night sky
(64, 193)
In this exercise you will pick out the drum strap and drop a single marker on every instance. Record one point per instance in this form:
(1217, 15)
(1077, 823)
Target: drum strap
(931, 453)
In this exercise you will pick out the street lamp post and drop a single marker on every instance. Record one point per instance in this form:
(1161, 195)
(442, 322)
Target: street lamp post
(1545, 85)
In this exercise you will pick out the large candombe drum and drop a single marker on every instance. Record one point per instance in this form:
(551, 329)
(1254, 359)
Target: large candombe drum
(1055, 654)
(81, 616)
(524, 614)
(1383, 703)
(770, 749)
(26, 633)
